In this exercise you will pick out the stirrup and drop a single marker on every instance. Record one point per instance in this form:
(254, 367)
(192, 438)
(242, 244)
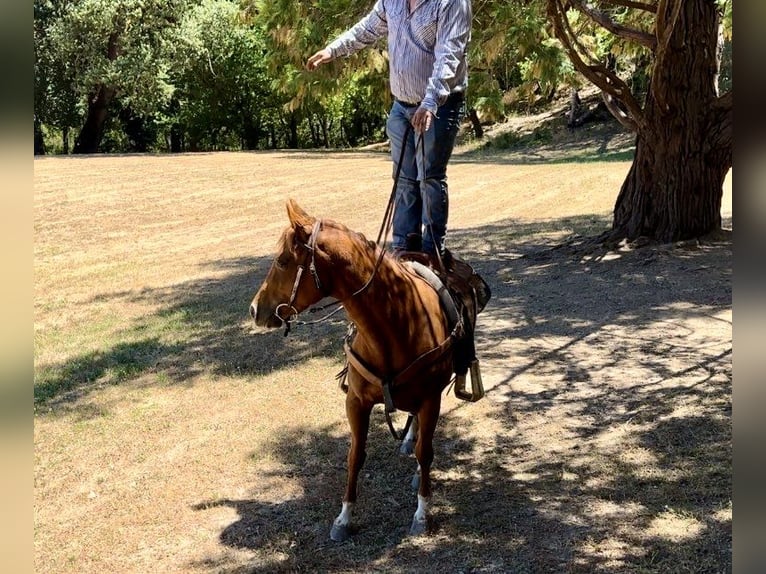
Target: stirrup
(477, 388)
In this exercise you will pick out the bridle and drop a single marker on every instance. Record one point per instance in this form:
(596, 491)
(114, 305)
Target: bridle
(385, 228)
(310, 257)
(311, 251)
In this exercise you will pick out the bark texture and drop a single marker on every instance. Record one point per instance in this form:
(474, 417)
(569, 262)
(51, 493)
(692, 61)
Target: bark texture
(683, 130)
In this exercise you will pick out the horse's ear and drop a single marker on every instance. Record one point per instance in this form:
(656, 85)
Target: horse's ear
(301, 221)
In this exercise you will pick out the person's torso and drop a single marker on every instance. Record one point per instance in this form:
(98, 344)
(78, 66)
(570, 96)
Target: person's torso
(416, 29)
(411, 43)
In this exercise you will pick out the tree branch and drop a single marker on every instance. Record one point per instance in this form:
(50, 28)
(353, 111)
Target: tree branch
(665, 24)
(603, 20)
(598, 74)
(618, 113)
(631, 4)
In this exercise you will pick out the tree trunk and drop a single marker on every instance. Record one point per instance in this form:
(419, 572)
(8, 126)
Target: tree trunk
(674, 188)
(98, 107)
(314, 128)
(65, 139)
(93, 129)
(478, 130)
(176, 138)
(251, 129)
(39, 139)
(325, 131)
(670, 194)
(574, 108)
(292, 133)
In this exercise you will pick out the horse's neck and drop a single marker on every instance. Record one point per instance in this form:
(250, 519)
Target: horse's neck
(395, 316)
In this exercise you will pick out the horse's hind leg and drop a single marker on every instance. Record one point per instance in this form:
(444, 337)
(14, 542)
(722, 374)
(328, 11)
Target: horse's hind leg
(408, 447)
(428, 415)
(408, 444)
(359, 420)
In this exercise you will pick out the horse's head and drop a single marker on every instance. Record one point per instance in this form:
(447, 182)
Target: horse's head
(289, 287)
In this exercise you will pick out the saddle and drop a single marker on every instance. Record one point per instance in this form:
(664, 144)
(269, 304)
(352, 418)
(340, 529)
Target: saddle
(466, 296)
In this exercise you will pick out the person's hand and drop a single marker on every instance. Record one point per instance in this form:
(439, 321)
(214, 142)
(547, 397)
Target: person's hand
(321, 57)
(421, 120)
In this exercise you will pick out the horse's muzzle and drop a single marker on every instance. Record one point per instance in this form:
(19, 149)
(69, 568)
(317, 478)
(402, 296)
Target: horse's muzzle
(264, 318)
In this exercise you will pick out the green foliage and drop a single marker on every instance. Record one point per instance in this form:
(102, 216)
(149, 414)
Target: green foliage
(725, 75)
(230, 74)
(513, 54)
(123, 44)
(344, 103)
(55, 101)
(223, 97)
(119, 49)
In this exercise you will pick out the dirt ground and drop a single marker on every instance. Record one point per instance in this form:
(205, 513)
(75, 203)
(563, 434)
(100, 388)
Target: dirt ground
(170, 436)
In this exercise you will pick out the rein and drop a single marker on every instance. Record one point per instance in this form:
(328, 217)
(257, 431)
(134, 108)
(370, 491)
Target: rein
(385, 228)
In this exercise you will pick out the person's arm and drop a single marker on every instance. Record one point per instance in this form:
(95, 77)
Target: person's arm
(365, 32)
(452, 37)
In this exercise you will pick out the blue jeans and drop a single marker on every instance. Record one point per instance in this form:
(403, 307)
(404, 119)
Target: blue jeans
(421, 208)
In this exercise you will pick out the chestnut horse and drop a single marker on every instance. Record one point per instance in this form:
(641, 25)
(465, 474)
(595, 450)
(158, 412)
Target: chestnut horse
(402, 335)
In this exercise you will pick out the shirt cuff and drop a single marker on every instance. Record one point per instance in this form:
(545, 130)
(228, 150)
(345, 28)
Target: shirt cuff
(334, 48)
(430, 104)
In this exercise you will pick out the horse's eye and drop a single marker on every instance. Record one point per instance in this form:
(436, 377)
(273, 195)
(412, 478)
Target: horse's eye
(281, 262)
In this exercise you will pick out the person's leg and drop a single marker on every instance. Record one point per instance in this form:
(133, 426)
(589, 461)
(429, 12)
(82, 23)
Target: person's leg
(432, 161)
(408, 204)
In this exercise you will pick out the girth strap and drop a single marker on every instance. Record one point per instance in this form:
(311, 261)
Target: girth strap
(405, 375)
(390, 382)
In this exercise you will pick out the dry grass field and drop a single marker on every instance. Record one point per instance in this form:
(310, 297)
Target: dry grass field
(170, 436)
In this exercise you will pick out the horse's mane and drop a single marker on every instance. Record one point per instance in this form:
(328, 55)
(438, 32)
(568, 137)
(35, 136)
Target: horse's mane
(286, 241)
(357, 237)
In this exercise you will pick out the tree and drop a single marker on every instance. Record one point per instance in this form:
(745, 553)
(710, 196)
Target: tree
(683, 127)
(342, 103)
(111, 49)
(513, 58)
(223, 97)
(56, 103)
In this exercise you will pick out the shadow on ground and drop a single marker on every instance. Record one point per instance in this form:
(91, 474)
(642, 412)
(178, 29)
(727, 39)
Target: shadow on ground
(501, 505)
(656, 503)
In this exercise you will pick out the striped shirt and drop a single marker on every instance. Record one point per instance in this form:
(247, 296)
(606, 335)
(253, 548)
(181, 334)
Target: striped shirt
(426, 47)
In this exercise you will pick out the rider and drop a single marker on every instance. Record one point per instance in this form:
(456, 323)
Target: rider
(427, 44)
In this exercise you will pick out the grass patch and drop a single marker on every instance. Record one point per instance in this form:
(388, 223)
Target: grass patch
(115, 365)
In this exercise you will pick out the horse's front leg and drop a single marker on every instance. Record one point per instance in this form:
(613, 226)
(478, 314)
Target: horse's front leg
(358, 415)
(428, 415)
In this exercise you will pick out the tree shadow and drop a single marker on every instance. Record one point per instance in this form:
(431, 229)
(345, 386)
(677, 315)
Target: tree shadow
(218, 337)
(641, 481)
(76, 377)
(584, 470)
